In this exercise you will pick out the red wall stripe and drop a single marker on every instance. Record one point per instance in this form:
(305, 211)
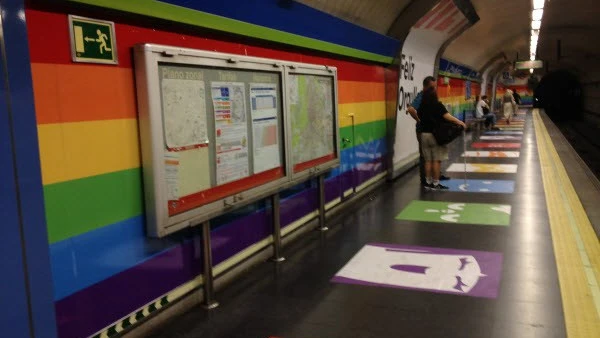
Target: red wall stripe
(53, 46)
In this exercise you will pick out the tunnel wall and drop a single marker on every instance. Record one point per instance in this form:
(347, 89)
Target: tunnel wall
(104, 268)
(591, 97)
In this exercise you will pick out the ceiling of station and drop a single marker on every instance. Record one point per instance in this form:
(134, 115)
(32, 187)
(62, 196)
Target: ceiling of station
(504, 27)
(376, 15)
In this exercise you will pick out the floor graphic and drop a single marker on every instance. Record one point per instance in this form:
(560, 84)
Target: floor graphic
(500, 154)
(461, 272)
(487, 145)
(483, 168)
(506, 132)
(501, 138)
(481, 186)
(450, 212)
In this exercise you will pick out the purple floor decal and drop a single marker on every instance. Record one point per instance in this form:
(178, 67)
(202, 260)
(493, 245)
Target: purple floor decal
(460, 272)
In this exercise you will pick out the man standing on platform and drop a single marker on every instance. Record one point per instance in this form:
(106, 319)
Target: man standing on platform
(412, 108)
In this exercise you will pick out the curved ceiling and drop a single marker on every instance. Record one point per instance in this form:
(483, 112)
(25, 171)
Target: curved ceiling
(376, 15)
(504, 27)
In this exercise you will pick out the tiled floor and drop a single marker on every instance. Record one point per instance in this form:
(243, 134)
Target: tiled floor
(297, 299)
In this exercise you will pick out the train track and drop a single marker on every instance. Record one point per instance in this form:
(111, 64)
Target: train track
(584, 137)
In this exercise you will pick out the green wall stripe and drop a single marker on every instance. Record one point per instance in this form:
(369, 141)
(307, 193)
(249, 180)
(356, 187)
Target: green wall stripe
(170, 12)
(364, 132)
(78, 206)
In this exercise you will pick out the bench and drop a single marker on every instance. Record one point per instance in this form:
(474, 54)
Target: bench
(475, 123)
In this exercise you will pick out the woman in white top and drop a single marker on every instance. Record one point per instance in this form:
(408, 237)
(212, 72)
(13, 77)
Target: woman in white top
(509, 106)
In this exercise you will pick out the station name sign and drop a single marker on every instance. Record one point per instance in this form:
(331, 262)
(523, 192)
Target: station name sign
(536, 64)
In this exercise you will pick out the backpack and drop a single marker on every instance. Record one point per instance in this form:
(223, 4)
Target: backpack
(446, 131)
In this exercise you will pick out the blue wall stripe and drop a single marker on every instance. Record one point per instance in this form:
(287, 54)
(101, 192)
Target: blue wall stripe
(294, 17)
(82, 261)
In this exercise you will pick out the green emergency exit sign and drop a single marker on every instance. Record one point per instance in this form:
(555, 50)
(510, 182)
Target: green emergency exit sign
(92, 40)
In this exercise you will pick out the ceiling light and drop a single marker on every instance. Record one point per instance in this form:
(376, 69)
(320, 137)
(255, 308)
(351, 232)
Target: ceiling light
(534, 38)
(536, 24)
(538, 4)
(537, 14)
(535, 32)
(531, 70)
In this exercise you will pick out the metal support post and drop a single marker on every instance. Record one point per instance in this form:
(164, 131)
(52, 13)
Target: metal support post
(209, 303)
(322, 226)
(277, 257)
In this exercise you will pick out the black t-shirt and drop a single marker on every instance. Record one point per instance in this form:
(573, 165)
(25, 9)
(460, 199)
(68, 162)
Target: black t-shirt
(431, 115)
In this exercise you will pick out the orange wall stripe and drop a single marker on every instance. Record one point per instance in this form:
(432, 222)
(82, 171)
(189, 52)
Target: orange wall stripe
(76, 93)
(355, 91)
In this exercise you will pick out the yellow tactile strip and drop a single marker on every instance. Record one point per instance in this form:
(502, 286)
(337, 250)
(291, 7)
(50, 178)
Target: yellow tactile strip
(576, 247)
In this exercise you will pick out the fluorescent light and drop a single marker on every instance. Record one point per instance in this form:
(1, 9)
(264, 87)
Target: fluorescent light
(532, 57)
(535, 32)
(537, 14)
(531, 70)
(534, 38)
(536, 24)
(538, 4)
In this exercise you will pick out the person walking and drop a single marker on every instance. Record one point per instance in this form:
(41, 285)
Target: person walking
(432, 113)
(413, 107)
(509, 106)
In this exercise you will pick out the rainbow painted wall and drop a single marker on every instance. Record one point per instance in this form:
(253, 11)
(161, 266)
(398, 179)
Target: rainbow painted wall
(453, 93)
(525, 92)
(104, 267)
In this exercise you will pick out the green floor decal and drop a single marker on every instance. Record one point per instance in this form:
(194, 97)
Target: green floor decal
(448, 212)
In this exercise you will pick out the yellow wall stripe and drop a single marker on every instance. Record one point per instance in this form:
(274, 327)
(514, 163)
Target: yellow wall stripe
(364, 112)
(75, 150)
(576, 247)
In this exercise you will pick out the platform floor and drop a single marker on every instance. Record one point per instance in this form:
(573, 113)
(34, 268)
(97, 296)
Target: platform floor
(413, 263)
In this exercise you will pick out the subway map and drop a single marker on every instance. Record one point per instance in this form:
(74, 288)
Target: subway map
(312, 117)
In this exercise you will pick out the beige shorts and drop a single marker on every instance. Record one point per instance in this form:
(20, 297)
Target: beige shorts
(431, 150)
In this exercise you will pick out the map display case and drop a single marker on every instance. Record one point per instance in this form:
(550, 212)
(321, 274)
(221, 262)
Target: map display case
(313, 123)
(218, 131)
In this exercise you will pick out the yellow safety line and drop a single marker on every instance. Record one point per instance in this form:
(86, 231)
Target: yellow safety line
(576, 247)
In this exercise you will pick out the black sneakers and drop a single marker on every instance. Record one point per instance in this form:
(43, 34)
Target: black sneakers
(435, 187)
(444, 178)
